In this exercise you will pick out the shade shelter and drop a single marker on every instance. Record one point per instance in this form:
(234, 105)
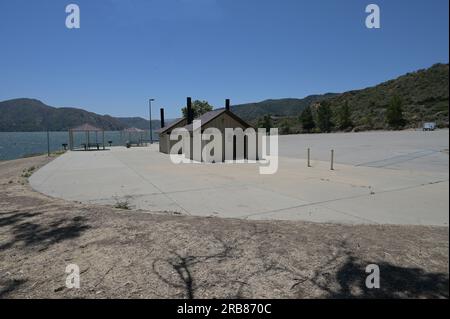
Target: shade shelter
(133, 136)
(91, 142)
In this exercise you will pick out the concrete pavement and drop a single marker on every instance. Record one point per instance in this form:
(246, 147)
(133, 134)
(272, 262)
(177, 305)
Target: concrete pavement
(379, 177)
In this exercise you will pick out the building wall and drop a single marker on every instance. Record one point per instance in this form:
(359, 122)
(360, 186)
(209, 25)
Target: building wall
(221, 122)
(165, 143)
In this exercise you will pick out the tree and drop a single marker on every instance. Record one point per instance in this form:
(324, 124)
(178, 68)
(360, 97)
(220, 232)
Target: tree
(198, 108)
(324, 115)
(307, 120)
(369, 119)
(344, 119)
(285, 127)
(394, 113)
(265, 122)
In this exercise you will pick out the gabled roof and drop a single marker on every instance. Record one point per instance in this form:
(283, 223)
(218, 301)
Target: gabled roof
(171, 125)
(209, 116)
(86, 128)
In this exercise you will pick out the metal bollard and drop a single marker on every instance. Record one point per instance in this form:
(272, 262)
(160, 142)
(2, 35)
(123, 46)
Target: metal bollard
(332, 160)
(309, 157)
(48, 143)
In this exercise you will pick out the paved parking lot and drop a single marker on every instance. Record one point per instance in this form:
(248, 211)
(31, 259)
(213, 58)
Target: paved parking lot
(379, 177)
(414, 150)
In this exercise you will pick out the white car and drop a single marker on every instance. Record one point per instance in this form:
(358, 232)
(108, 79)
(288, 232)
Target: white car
(429, 126)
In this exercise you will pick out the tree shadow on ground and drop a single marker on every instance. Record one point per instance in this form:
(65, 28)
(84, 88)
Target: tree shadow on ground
(7, 286)
(41, 235)
(183, 264)
(395, 282)
(14, 217)
(342, 276)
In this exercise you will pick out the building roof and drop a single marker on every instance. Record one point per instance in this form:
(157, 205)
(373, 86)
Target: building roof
(209, 116)
(86, 128)
(171, 125)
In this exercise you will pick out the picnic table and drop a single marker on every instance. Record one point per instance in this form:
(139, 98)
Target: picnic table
(88, 146)
(129, 144)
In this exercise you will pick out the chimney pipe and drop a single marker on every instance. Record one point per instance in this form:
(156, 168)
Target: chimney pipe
(227, 104)
(162, 117)
(190, 116)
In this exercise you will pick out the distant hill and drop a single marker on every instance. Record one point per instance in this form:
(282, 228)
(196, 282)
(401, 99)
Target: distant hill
(29, 115)
(138, 122)
(278, 107)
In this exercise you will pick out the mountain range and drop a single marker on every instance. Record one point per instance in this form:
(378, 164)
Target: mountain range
(424, 94)
(30, 115)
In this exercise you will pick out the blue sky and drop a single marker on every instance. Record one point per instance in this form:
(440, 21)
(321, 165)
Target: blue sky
(245, 50)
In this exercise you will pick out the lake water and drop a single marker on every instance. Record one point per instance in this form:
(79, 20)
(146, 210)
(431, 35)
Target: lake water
(19, 144)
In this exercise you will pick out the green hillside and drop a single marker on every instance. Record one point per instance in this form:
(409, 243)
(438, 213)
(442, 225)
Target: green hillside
(29, 115)
(424, 96)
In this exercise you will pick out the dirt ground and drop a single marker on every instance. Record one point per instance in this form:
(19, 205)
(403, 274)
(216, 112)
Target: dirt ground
(134, 254)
